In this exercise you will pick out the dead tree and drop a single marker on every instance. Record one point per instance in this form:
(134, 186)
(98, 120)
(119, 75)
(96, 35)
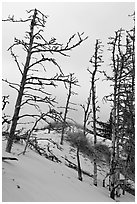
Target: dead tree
(36, 47)
(73, 81)
(129, 104)
(96, 61)
(122, 80)
(114, 97)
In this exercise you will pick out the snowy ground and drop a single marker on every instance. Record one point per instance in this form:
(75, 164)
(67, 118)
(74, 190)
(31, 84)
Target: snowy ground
(34, 178)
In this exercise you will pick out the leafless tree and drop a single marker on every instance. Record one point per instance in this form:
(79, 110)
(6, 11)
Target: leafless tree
(72, 81)
(96, 61)
(31, 89)
(121, 98)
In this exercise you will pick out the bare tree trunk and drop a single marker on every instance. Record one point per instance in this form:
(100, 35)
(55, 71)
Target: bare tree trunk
(84, 126)
(113, 154)
(94, 112)
(120, 65)
(96, 60)
(27, 142)
(66, 110)
(114, 136)
(21, 90)
(95, 135)
(87, 111)
(79, 167)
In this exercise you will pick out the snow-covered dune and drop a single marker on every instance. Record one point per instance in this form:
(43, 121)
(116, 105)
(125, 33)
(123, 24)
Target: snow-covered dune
(34, 178)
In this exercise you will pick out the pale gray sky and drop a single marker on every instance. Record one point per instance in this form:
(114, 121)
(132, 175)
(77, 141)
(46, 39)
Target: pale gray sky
(96, 19)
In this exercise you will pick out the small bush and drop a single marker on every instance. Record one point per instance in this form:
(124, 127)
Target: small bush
(77, 139)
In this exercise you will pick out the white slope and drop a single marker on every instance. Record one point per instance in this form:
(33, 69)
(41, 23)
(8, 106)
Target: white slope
(34, 178)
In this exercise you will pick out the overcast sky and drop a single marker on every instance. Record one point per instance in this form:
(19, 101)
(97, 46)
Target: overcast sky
(96, 20)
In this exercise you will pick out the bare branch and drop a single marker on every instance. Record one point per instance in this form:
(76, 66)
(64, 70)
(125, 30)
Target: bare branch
(15, 58)
(11, 84)
(11, 19)
(5, 101)
(61, 49)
